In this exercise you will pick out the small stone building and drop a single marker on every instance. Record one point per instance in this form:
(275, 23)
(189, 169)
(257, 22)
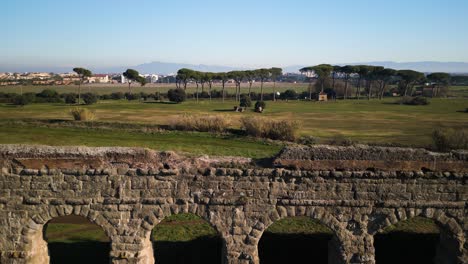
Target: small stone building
(322, 97)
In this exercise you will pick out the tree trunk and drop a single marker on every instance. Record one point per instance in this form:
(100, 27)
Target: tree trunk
(261, 91)
(196, 93)
(79, 92)
(209, 91)
(345, 89)
(310, 90)
(250, 89)
(358, 90)
(369, 91)
(129, 88)
(223, 91)
(274, 91)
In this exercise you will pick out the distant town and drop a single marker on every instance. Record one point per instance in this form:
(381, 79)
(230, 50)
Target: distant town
(45, 78)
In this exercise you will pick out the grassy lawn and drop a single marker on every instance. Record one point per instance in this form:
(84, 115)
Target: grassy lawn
(153, 88)
(189, 142)
(363, 121)
(459, 91)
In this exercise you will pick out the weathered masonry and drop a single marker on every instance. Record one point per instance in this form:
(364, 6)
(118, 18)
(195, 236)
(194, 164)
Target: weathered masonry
(355, 191)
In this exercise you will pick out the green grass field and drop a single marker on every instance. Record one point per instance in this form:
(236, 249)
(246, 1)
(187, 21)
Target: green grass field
(374, 121)
(152, 88)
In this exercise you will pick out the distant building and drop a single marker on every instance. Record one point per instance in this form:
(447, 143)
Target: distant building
(151, 78)
(322, 97)
(99, 78)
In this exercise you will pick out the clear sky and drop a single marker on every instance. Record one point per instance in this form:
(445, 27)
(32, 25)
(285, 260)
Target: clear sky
(231, 32)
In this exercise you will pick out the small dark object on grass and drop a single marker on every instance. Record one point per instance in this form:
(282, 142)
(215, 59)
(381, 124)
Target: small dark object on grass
(418, 100)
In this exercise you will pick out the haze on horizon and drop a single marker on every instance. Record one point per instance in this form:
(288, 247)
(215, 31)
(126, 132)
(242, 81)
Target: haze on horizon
(235, 33)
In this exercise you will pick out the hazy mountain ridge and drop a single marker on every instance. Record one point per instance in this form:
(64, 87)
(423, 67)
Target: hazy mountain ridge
(170, 68)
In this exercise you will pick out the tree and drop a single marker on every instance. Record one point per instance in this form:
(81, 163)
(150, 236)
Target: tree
(308, 71)
(209, 76)
(336, 69)
(275, 74)
(408, 79)
(238, 77)
(363, 71)
(263, 74)
(323, 72)
(250, 77)
(439, 79)
(347, 71)
(82, 74)
(198, 78)
(373, 75)
(133, 75)
(183, 75)
(383, 77)
(223, 77)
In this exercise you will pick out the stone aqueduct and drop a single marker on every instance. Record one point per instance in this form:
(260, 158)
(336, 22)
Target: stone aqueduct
(355, 191)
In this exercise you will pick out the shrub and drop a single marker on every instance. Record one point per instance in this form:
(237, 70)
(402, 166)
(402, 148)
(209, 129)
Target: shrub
(132, 96)
(272, 129)
(309, 140)
(24, 99)
(245, 101)
(70, 98)
(48, 96)
(144, 95)
(204, 94)
(259, 104)
(48, 93)
(176, 95)
(418, 100)
(289, 94)
(90, 98)
(82, 114)
(341, 141)
(117, 96)
(448, 139)
(210, 123)
(105, 97)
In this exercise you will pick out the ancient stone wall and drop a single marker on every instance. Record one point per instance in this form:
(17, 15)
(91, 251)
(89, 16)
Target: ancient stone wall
(355, 191)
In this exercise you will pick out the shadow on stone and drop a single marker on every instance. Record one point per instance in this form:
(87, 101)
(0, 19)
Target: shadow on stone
(203, 250)
(293, 248)
(405, 248)
(79, 252)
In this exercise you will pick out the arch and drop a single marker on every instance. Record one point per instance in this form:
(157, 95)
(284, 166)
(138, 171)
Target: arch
(186, 238)
(338, 234)
(449, 240)
(37, 250)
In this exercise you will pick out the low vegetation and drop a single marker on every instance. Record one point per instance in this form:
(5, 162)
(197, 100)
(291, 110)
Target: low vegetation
(449, 139)
(200, 123)
(176, 95)
(408, 100)
(82, 114)
(271, 129)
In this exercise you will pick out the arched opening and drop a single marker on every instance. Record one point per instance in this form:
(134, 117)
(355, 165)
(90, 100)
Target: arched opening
(295, 239)
(415, 240)
(74, 239)
(186, 238)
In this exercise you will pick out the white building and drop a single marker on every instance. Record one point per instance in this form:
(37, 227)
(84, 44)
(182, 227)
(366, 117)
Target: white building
(99, 78)
(151, 78)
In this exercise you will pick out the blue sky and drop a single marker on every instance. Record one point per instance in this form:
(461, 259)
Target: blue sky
(98, 33)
